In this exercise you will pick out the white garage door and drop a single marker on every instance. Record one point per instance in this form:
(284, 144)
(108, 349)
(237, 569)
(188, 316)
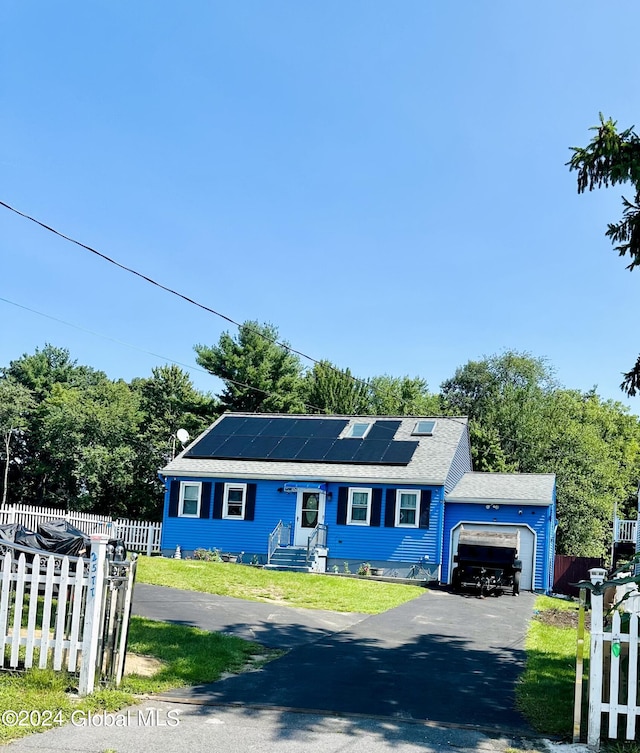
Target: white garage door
(527, 547)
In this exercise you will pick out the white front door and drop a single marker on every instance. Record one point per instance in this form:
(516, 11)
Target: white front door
(309, 514)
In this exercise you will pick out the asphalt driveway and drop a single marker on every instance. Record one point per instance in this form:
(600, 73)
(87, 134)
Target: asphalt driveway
(441, 657)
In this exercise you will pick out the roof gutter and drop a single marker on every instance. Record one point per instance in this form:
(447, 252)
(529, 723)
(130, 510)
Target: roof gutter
(318, 479)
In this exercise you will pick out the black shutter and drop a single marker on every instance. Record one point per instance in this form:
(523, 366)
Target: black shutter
(425, 506)
(205, 499)
(341, 518)
(390, 509)
(250, 503)
(376, 507)
(218, 498)
(174, 497)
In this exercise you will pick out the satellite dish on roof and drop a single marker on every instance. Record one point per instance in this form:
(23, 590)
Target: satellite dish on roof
(183, 436)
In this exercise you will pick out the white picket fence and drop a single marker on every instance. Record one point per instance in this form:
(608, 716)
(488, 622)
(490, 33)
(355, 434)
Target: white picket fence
(138, 535)
(613, 666)
(56, 611)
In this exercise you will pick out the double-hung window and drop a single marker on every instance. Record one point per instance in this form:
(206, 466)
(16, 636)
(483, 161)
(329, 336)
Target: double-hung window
(408, 508)
(359, 507)
(235, 498)
(189, 504)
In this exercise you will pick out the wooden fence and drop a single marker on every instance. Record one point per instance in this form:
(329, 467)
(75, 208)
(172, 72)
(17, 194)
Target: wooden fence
(569, 570)
(138, 535)
(65, 612)
(613, 665)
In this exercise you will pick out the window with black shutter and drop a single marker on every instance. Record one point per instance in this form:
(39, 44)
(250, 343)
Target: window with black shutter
(425, 507)
(341, 514)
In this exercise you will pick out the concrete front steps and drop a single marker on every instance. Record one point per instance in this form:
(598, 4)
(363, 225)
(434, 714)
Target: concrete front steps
(290, 558)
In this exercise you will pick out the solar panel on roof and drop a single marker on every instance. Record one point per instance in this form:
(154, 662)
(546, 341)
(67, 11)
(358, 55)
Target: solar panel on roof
(260, 447)
(281, 438)
(229, 425)
(250, 427)
(315, 449)
(399, 453)
(233, 447)
(286, 449)
(371, 451)
(383, 430)
(343, 450)
(207, 447)
(275, 427)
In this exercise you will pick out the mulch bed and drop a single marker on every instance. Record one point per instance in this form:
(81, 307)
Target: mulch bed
(563, 618)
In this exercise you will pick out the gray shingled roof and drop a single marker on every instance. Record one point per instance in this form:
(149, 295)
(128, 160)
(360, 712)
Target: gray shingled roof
(532, 488)
(429, 464)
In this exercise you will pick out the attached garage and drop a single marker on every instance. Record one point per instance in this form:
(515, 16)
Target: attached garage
(509, 503)
(526, 553)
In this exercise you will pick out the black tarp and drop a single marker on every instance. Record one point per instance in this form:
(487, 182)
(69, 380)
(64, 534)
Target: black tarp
(57, 537)
(16, 533)
(61, 537)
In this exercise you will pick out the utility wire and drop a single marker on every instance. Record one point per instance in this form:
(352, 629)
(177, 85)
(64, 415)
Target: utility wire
(172, 291)
(149, 352)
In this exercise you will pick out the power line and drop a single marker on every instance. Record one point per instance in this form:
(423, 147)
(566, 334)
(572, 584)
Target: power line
(172, 291)
(150, 353)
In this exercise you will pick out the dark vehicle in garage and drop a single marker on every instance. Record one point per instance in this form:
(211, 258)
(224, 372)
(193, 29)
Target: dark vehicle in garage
(487, 562)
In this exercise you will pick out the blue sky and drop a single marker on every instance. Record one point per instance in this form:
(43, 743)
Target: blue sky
(385, 182)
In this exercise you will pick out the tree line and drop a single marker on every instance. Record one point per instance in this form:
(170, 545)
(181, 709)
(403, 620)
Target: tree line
(73, 438)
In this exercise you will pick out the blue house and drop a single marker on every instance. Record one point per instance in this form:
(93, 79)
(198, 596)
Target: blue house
(322, 491)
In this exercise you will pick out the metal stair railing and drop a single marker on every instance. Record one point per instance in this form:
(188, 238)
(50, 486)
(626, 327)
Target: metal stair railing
(317, 539)
(280, 536)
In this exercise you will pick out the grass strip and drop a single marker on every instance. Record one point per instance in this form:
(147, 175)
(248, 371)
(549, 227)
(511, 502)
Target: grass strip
(546, 689)
(45, 699)
(305, 590)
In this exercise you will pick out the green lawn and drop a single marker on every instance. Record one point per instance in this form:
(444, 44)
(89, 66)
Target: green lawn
(290, 589)
(546, 689)
(187, 655)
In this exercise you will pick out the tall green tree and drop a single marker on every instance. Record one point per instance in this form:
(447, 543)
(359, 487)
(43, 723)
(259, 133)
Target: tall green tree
(169, 401)
(593, 447)
(260, 375)
(91, 437)
(402, 396)
(506, 397)
(328, 389)
(40, 372)
(521, 420)
(612, 157)
(16, 402)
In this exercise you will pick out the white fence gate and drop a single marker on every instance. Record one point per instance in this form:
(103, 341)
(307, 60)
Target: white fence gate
(137, 535)
(65, 612)
(613, 665)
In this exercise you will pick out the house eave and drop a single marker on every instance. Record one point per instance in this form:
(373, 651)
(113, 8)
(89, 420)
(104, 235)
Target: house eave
(499, 501)
(397, 482)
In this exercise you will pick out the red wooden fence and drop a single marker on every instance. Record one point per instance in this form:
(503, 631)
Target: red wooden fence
(570, 570)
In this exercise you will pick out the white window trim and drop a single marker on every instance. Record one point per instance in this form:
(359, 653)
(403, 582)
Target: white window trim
(351, 427)
(416, 431)
(417, 521)
(183, 486)
(225, 502)
(356, 490)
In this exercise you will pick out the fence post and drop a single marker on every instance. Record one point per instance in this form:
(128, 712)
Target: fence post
(92, 632)
(597, 576)
(577, 699)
